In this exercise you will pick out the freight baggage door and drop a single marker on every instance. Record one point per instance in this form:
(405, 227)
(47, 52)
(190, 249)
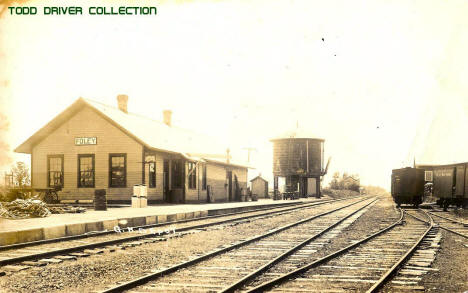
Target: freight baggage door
(311, 186)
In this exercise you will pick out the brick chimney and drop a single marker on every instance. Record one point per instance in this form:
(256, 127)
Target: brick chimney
(167, 116)
(122, 103)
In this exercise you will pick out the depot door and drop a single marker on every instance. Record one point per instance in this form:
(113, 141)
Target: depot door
(166, 180)
(229, 184)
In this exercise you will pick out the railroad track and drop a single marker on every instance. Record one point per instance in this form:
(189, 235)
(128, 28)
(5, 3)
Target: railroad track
(107, 232)
(450, 224)
(236, 264)
(365, 265)
(18, 257)
(410, 274)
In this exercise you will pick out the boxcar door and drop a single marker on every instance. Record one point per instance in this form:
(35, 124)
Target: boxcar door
(460, 181)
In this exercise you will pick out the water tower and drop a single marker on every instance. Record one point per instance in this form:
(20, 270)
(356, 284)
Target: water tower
(299, 158)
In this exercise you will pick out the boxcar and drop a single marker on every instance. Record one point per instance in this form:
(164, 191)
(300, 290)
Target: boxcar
(408, 186)
(450, 184)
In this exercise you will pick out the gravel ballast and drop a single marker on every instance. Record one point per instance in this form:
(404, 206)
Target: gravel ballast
(95, 272)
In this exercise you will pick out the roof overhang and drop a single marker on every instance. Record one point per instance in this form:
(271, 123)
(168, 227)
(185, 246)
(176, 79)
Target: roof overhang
(228, 164)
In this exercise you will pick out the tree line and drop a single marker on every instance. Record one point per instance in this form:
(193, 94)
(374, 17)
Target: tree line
(345, 182)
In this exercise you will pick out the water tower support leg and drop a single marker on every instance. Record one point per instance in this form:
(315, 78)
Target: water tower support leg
(317, 186)
(275, 188)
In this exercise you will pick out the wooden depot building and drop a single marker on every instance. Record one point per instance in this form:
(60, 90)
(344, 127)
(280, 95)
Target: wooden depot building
(95, 146)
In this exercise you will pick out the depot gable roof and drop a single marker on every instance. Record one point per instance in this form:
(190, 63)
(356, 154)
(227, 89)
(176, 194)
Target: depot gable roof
(150, 133)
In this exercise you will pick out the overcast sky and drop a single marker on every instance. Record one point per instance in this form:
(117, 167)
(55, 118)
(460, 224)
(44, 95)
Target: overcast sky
(383, 82)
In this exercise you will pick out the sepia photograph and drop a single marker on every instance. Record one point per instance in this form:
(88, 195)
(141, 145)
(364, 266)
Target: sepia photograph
(233, 146)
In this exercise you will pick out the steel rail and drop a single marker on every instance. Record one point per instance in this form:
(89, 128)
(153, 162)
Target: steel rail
(152, 276)
(415, 217)
(403, 259)
(259, 271)
(448, 219)
(136, 237)
(106, 232)
(299, 205)
(292, 274)
(440, 226)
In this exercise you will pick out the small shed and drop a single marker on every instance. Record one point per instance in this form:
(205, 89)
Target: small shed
(259, 187)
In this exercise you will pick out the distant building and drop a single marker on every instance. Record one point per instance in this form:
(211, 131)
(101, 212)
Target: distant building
(259, 187)
(95, 146)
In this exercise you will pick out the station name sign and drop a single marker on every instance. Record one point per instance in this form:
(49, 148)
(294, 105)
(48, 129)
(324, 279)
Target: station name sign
(85, 140)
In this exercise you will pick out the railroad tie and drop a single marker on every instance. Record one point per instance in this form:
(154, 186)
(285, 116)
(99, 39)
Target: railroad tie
(79, 254)
(34, 263)
(15, 268)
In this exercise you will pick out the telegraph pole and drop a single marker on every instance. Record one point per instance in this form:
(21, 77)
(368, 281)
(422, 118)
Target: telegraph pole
(249, 150)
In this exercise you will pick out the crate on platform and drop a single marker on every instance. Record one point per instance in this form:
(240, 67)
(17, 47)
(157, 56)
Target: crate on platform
(135, 202)
(143, 202)
(143, 190)
(139, 202)
(136, 190)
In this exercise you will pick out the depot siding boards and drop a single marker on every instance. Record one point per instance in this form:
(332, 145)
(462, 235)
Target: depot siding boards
(82, 120)
(109, 140)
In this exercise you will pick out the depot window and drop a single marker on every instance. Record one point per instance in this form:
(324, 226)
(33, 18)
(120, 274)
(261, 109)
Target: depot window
(192, 170)
(86, 170)
(151, 161)
(117, 170)
(55, 170)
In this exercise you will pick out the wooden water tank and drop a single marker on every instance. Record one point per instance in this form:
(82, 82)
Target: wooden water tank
(298, 156)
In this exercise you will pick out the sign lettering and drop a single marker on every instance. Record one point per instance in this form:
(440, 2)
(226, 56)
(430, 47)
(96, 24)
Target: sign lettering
(443, 172)
(85, 140)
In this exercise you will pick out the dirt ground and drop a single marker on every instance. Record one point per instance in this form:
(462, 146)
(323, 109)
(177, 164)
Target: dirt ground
(452, 265)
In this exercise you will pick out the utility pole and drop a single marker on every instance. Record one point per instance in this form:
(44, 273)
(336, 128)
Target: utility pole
(228, 156)
(249, 150)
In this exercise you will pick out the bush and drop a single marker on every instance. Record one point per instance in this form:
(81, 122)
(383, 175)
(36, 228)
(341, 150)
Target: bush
(10, 194)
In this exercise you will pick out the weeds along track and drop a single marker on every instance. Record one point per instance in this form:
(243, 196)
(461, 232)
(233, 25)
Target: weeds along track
(364, 265)
(237, 263)
(17, 257)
